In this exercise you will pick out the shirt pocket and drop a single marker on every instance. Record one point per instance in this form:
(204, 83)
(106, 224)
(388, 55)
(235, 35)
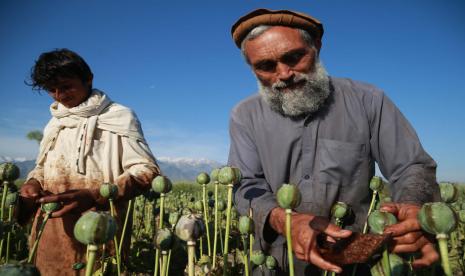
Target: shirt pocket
(339, 162)
(338, 166)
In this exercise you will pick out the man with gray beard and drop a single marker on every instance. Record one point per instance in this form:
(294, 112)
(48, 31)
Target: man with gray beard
(323, 134)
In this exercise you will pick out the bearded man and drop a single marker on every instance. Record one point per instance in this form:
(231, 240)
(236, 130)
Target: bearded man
(323, 134)
(90, 140)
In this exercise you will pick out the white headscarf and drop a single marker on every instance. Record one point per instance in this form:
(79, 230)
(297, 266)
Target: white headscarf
(86, 117)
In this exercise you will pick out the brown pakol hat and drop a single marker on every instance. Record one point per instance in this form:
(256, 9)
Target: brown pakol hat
(271, 17)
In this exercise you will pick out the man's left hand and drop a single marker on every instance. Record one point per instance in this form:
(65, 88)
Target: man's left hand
(407, 233)
(75, 201)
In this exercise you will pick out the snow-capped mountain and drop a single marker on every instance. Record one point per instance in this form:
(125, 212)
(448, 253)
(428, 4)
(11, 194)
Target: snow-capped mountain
(176, 169)
(185, 168)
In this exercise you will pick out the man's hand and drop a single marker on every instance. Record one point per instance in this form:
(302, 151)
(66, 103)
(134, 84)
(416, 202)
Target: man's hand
(75, 201)
(305, 228)
(408, 236)
(31, 189)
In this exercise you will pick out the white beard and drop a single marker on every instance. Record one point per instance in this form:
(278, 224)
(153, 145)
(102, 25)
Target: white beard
(306, 99)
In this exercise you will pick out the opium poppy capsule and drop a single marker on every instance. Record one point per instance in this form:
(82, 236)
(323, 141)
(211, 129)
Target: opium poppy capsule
(95, 228)
(271, 262)
(378, 220)
(229, 175)
(164, 239)
(437, 218)
(449, 192)
(190, 227)
(214, 175)
(246, 225)
(162, 184)
(109, 190)
(257, 257)
(203, 178)
(339, 210)
(376, 184)
(288, 196)
(9, 172)
(173, 218)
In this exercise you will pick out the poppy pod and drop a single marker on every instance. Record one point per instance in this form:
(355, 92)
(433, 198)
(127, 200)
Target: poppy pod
(164, 239)
(437, 218)
(246, 225)
(203, 178)
(50, 207)
(190, 227)
(162, 184)
(257, 257)
(376, 184)
(95, 228)
(339, 210)
(229, 175)
(214, 175)
(108, 190)
(288, 196)
(271, 262)
(9, 171)
(379, 220)
(449, 192)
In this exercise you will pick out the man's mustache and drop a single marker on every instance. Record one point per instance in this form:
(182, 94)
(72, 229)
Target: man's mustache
(286, 84)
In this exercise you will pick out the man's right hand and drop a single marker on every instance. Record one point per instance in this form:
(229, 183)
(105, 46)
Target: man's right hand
(30, 192)
(304, 231)
(31, 189)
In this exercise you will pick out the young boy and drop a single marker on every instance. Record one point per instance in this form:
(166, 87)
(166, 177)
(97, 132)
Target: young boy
(88, 141)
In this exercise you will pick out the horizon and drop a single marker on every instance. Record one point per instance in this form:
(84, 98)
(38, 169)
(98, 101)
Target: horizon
(182, 77)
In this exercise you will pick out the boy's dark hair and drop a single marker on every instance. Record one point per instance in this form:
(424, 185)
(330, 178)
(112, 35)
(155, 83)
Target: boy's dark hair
(57, 64)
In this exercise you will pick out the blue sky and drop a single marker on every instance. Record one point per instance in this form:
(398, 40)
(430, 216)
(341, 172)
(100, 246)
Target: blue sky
(174, 63)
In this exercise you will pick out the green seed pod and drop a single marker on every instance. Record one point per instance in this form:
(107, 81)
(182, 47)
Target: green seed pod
(51, 207)
(164, 239)
(198, 206)
(11, 199)
(376, 184)
(19, 270)
(449, 192)
(229, 175)
(257, 257)
(108, 190)
(203, 178)
(339, 210)
(246, 225)
(288, 196)
(162, 184)
(9, 172)
(270, 262)
(95, 228)
(437, 218)
(378, 220)
(173, 218)
(221, 205)
(190, 227)
(214, 175)
(398, 267)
